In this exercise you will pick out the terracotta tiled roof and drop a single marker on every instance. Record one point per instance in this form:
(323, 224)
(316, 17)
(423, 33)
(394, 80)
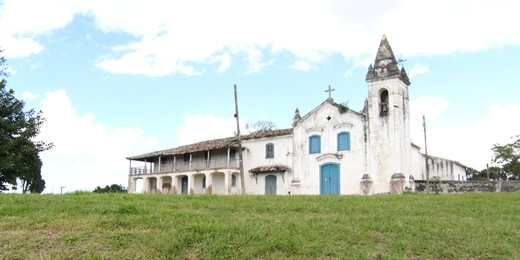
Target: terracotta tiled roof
(269, 168)
(229, 142)
(271, 133)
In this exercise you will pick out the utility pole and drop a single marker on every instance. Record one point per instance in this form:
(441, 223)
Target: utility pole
(241, 162)
(487, 168)
(61, 189)
(426, 157)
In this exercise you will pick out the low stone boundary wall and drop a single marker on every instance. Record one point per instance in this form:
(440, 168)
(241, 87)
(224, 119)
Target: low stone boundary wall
(419, 186)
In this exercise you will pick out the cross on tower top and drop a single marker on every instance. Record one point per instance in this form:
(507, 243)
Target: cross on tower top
(330, 91)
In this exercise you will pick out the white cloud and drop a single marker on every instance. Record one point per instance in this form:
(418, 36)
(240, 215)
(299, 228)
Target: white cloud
(86, 154)
(418, 69)
(302, 65)
(206, 127)
(225, 62)
(255, 64)
(348, 73)
(170, 34)
(28, 95)
(430, 106)
(19, 47)
(470, 144)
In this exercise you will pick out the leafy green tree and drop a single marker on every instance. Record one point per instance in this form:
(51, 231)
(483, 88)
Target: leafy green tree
(495, 173)
(508, 158)
(114, 188)
(19, 152)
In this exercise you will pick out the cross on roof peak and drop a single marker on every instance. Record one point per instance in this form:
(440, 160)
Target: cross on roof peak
(330, 91)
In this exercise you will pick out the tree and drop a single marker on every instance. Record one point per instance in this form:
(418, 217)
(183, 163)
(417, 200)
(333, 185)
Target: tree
(19, 152)
(495, 173)
(508, 158)
(114, 188)
(260, 126)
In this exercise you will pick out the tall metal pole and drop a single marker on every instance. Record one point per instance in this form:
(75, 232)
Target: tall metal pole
(426, 158)
(241, 162)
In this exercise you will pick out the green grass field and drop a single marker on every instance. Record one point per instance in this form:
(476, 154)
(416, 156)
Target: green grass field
(131, 226)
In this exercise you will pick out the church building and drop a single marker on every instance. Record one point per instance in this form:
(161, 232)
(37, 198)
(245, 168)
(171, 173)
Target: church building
(330, 150)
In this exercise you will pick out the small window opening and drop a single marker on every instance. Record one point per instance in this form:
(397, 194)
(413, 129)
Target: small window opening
(269, 150)
(383, 105)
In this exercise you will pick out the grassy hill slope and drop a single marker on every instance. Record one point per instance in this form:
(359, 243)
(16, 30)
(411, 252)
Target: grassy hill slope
(133, 226)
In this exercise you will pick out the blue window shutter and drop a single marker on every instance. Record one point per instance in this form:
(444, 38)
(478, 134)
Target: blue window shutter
(344, 141)
(269, 150)
(315, 144)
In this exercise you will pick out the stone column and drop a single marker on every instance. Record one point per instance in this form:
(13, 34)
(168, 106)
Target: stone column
(412, 183)
(295, 186)
(175, 184)
(191, 183)
(209, 183)
(397, 183)
(366, 185)
(227, 183)
(146, 185)
(159, 189)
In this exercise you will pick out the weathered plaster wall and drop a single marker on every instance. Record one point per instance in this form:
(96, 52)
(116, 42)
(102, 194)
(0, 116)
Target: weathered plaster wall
(444, 169)
(254, 156)
(389, 136)
(352, 163)
(467, 186)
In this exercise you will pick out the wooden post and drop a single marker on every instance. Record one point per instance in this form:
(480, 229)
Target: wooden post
(160, 164)
(130, 167)
(241, 162)
(228, 154)
(426, 157)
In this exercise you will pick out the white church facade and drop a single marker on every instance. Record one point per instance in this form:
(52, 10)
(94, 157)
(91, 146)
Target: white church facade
(330, 150)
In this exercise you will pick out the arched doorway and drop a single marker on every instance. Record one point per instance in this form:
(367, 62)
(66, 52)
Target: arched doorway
(184, 185)
(139, 185)
(270, 185)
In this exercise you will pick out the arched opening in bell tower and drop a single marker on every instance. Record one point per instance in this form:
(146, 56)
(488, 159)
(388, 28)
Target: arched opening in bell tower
(383, 103)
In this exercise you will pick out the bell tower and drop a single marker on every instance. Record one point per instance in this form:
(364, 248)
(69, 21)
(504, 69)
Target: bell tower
(388, 119)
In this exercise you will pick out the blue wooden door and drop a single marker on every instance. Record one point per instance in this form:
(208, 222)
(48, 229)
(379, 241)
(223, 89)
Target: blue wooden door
(270, 184)
(184, 185)
(329, 178)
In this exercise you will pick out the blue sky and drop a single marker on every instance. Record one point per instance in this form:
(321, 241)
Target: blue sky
(121, 78)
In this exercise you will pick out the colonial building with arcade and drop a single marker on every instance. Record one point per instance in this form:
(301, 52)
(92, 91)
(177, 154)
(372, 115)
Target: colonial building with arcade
(329, 150)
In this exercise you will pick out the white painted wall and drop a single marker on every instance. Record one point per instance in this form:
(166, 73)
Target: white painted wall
(389, 137)
(352, 163)
(254, 156)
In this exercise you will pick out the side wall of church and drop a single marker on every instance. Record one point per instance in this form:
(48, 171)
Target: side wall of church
(418, 164)
(351, 162)
(444, 169)
(440, 168)
(254, 155)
